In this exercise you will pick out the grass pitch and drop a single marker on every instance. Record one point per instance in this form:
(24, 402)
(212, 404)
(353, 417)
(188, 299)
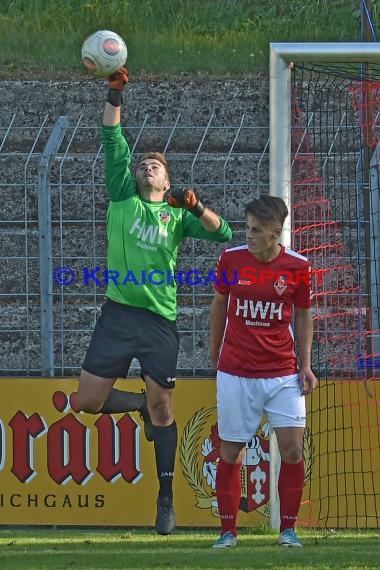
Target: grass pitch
(40, 549)
(216, 37)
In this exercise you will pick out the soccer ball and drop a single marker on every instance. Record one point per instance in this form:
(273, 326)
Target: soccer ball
(104, 52)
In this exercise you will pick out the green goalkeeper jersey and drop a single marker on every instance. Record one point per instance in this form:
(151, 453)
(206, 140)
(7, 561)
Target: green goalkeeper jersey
(143, 236)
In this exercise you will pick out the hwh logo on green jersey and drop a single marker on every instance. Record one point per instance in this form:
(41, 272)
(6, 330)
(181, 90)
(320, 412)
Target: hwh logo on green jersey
(148, 232)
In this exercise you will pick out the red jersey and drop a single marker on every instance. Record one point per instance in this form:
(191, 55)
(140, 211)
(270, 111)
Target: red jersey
(258, 339)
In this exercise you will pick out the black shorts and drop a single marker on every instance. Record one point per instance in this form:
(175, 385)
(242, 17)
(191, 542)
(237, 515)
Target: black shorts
(123, 333)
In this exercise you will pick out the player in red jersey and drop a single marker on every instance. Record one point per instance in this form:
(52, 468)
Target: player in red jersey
(261, 287)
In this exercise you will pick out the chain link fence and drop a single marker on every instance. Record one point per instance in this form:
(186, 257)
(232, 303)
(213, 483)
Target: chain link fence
(53, 229)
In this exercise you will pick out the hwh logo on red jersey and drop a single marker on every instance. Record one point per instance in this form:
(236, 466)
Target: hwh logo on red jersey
(253, 309)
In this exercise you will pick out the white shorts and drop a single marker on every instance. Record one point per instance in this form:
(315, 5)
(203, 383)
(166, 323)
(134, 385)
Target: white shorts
(243, 401)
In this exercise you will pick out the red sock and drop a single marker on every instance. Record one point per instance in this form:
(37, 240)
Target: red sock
(290, 487)
(228, 491)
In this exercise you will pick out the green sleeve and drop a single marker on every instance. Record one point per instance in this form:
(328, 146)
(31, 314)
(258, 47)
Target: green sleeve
(192, 227)
(120, 182)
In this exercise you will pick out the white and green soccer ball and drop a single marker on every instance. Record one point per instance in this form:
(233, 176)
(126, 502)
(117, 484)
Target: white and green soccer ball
(104, 52)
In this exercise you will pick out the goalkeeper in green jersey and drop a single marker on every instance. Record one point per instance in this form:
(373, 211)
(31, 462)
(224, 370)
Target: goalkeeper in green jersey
(144, 232)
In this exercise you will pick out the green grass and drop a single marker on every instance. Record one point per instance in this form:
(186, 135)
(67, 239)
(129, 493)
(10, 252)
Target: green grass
(215, 37)
(113, 549)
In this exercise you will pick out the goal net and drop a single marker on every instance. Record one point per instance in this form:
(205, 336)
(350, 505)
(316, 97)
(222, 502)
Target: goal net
(334, 168)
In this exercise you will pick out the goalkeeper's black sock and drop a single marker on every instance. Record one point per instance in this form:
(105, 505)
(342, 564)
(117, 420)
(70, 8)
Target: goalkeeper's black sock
(165, 446)
(119, 401)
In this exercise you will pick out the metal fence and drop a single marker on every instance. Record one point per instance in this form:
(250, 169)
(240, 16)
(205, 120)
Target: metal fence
(53, 216)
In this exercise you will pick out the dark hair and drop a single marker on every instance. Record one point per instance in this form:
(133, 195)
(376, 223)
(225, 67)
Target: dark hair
(155, 156)
(268, 209)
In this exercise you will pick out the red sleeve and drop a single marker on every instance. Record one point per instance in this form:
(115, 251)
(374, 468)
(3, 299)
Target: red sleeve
(302, 297)
(221, 285)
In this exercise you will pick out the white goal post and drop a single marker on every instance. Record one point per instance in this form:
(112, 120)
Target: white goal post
(282, 56)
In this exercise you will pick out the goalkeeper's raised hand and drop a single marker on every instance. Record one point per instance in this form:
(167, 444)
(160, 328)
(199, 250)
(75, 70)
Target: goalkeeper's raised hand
(188, 199)
(116, 83)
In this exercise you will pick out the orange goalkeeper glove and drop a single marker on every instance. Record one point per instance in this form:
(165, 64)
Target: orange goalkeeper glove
(187, 199)
(116, 83)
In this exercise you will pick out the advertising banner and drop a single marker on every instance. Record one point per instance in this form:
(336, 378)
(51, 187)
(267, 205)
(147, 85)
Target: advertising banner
(59, 467)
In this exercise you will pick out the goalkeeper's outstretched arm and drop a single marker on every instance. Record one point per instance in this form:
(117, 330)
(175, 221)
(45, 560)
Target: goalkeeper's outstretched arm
(116, 82)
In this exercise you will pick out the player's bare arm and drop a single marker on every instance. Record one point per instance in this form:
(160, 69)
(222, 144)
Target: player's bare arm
(111, 115)
(304, 335)
(218, 313)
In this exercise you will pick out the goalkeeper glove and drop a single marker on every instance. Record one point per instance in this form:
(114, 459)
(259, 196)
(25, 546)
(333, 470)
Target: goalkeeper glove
(187, 199)
(116, 83)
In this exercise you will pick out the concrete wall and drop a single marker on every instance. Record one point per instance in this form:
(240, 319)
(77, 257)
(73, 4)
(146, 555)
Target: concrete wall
(153, 112)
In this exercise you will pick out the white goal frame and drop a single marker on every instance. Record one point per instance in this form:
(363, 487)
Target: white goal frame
(281, 58)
